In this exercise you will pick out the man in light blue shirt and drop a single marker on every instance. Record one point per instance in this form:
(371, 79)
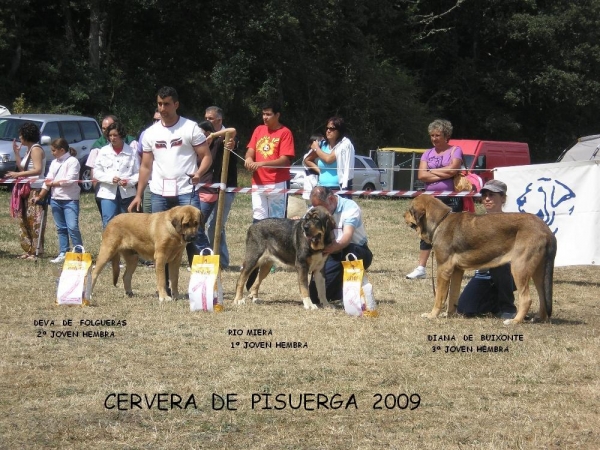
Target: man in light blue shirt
(349, 237)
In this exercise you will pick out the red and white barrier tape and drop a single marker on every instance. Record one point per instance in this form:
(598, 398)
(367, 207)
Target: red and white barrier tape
(249, 190)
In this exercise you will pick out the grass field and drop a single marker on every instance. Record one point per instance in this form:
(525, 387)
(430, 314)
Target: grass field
(362, 383)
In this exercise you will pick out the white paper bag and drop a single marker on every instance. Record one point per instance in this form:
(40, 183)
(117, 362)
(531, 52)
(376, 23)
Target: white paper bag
(205, 289)
(75, 283)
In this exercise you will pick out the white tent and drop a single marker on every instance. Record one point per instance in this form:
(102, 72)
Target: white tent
(586, 149)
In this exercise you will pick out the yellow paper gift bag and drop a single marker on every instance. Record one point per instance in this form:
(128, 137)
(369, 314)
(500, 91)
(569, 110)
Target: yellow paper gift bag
(75, 283)
(206, 290)
(357, 291)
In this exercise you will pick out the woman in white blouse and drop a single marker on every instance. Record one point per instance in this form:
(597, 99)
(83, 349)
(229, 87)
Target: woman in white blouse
(116, 169)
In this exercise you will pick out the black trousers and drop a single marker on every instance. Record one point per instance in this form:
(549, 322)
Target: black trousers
(334, 272)
(489, 292)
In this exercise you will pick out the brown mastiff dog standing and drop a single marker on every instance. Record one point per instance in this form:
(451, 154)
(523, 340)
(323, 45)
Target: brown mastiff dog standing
(161, 237)
(464, 241)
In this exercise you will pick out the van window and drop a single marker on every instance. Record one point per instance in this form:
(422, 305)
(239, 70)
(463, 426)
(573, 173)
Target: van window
(370, 163)
(358, 164)
(9, 128)
(71, 132)
(51, 129)
(90, 130)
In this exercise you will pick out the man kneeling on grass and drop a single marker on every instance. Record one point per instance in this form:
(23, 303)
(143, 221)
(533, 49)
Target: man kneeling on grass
(350, 237)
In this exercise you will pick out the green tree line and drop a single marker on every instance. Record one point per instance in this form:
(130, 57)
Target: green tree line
(498, 69)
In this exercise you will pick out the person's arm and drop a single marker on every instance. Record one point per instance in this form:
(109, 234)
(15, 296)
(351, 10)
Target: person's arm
(205, 158)
(311, 165)
(99, 173)
(143, 177)
(249, 159)
(223, 132)
(36, 156)
(448, 171)
(425, 174)
(327, 158)
(71, 175)
(343, 241)
(134, 172)
(17, 152)
(282, 161)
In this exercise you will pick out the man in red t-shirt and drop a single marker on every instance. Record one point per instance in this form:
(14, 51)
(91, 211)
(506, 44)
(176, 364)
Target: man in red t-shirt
(269, 156)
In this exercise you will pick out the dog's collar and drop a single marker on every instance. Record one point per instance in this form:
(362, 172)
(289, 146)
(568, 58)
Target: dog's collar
(438, 224)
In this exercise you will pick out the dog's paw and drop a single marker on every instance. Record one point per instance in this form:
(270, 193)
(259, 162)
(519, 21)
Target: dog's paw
(308, 304)
(429, 316)
(165, 299)
(240, 301)
(129, 294)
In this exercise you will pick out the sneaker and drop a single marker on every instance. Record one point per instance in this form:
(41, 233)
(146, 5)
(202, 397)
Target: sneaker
(60, 258)
(506, 315)
(419, 272)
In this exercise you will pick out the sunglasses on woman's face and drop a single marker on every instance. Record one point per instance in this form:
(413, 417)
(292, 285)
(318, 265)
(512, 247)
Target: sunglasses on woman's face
(331, 128)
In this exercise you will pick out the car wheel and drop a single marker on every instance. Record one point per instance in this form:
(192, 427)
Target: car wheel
(368, 187)
(86, 179)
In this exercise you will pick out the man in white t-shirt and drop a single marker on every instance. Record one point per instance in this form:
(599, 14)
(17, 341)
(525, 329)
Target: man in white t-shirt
(172, 148)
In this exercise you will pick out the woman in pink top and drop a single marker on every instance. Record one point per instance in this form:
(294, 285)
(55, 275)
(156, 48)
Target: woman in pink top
(61, 182)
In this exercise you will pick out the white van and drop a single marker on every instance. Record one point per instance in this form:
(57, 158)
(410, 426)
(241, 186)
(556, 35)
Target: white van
(80, 132)
(367, 176)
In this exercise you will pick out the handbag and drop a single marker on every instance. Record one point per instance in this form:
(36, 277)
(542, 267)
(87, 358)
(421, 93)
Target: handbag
(75, 282)
(18, 196)
(205, 288)
(460, 181)
(357, 292)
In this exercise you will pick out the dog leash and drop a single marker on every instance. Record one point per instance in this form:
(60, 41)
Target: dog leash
(432, 277)
(432, 252)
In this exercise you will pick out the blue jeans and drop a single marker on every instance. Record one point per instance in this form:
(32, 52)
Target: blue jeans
(207, 209)
(111, 208)
(66, 218)
(211, 224)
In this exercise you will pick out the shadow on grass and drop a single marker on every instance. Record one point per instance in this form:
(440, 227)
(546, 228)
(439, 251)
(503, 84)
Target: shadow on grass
(578, 283)
(557, 321)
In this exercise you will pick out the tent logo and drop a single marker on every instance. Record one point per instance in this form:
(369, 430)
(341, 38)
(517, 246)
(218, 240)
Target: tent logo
(547, 198)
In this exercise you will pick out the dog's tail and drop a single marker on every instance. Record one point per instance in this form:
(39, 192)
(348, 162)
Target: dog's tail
(549, 273)
(116, 260)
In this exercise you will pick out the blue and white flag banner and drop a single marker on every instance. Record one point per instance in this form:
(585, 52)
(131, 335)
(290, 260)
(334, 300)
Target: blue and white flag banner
(566, 196)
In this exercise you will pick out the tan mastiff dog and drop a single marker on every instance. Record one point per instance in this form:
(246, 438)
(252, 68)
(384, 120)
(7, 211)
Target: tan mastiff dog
(161, 237)
(464, 241)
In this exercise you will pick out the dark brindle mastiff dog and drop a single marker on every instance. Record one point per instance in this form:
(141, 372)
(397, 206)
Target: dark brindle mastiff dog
(466, 241)
(161, 237)
(297, 243)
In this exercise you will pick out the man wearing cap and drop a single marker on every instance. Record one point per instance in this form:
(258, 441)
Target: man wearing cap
(490, 290)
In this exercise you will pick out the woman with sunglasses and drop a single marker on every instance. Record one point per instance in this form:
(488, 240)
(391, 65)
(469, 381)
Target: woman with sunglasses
(335, 158)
